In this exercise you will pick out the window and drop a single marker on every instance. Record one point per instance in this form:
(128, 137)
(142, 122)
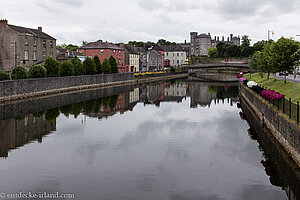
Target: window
(177, 54)
(44, 55)
(44, 43)
(101, 51)
(34, 42)
(34, 56)
(167, 54)
(51, 54)
(25, 55)
(177, 61)
(51, 44)
(26, 41)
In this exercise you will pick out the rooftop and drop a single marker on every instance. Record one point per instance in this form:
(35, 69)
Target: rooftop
(101, 45)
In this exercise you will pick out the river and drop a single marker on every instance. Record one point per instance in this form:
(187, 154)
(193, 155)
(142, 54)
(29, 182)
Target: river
(177, 140)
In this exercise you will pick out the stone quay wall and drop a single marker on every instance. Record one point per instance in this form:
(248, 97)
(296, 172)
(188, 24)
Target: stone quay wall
(286, 131)
(20, 89)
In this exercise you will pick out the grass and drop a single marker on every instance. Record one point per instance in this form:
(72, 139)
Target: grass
(276, 85)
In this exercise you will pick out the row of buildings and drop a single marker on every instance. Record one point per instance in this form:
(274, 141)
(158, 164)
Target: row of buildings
(27, 47)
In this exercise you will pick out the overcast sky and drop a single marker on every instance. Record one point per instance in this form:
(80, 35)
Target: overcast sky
(72, 21)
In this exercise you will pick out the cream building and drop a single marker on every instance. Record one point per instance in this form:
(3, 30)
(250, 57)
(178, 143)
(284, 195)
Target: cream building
(175, 55)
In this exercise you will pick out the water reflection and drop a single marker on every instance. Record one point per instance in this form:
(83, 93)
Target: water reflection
(154, 147)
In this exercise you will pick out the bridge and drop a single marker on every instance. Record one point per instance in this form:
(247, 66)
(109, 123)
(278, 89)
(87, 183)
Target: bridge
(225, 65)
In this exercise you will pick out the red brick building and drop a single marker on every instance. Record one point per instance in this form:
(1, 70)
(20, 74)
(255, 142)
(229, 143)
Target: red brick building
(105, 50)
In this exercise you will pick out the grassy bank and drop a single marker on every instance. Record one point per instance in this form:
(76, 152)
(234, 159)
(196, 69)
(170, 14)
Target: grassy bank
(277, 85)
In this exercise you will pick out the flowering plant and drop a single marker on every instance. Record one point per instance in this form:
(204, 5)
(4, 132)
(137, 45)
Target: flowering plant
(242, 80)
(272, 95)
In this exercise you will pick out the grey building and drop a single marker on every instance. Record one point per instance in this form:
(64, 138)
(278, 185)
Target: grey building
(200, 44)
(24, 46)
(151, 56)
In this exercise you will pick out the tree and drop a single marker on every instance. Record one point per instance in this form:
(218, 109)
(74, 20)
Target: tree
(22, 73)
(213, 52)
(258, 46)
(245, 41)
(106, 67)
(52, 67)
(113, 64)
(165, 42)
(66, 69)
(77, 66)
(98, 64)
(4, 76)
(89, 66)
(284, 54)
(38, 71)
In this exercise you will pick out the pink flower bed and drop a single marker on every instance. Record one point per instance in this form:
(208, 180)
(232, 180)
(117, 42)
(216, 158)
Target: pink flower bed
(239, 76)
(242, 80)
(272, 95)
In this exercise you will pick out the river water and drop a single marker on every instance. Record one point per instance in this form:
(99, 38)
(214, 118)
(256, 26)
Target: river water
(175, 140)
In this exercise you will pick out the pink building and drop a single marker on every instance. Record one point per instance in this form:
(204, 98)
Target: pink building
(105, 50)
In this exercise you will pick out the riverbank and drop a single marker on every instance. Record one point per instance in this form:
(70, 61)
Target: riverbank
(277, 85)
(23, 89)
(286, 131)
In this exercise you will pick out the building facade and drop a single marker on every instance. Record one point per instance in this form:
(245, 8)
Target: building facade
(200, 44)
(24, 46)
(104, 50)
(132, 58)
(175, 55)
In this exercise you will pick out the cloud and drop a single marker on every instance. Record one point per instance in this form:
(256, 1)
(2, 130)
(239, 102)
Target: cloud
(168, 5)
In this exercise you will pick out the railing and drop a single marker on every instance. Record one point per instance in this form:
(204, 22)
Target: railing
(286, 106)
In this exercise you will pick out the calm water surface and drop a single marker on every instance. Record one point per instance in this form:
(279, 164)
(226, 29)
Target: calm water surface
(166, 141)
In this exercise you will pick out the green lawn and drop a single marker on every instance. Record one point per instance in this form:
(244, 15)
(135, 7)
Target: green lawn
(276, 85)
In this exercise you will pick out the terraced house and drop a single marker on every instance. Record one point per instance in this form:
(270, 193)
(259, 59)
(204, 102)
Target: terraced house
(24, 46)
(175, 55)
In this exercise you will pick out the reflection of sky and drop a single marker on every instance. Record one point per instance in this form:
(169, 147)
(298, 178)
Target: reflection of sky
(171, 152)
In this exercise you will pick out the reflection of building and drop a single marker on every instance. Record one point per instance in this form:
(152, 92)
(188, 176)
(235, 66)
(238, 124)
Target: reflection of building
(134, 96)
(200, 94)
(16, 133)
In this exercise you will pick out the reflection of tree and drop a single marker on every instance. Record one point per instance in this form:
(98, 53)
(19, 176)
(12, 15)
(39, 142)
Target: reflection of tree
(90, 106)
(224, 92)
(66, 110)
(106, 101)
(113, 101)
(52, 114)
(39, 114)
(77, 109)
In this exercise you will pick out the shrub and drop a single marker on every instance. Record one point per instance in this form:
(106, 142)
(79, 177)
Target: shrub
(113, 64)
(38, 71)
(4, 76)
(106, 67)
(89, 66)
(98, 64)
(66, 69)
(77, 66)
(52, 67)
(22, 73)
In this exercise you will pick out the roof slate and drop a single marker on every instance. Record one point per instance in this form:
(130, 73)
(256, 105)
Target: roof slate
(31, 31)
(171, 48)
(101, 45)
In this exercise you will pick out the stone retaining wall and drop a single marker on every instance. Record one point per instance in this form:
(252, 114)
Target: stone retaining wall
(286, 131)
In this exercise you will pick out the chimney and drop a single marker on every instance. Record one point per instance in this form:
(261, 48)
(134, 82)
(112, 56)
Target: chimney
(40, 28)
(122, 44)
(3, 22)
(218, 38)
(231, 36)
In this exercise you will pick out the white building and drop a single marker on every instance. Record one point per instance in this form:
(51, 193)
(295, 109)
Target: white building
(175, 55)
(132, 58)
(134, 96)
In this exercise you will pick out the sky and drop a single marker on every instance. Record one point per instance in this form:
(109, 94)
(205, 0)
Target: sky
(74, 21)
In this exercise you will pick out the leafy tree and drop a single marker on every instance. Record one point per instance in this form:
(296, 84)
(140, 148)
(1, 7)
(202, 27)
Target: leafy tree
(106, 68)
(22, 73)
(38, 71)
(213, 52)
(245, 41)
(66, 69)
(113, 64)
(165, 42)
(52, 67)
(98, 64)
(77, 66)
(4, 76)
(89, 66)
(258, 46)
(135, 43)
(284, 54)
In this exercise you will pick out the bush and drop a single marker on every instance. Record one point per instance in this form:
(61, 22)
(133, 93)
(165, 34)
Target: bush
(89, 66)
(37, 71)
(77, 66)
(4, 76)
(113, 64)
(22, 73)
(52, 67)
(106, 67)
(66, 69)
(98, 64)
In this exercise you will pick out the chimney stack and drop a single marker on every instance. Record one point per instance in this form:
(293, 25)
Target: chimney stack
(231, 36)
(122, 45)
(40, 28)
(3, 22)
